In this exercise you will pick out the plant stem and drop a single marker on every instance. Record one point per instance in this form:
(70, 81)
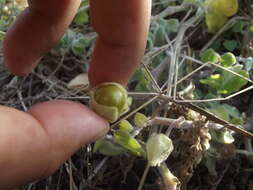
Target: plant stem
(144, 176)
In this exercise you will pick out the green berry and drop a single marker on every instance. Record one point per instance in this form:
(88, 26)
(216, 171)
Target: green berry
(228, 59)
(110, 95)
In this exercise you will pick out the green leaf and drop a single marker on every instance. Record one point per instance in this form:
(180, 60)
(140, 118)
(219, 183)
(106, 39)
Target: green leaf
(128, 142)
(159, 31)
(143, 80)
(140, 119)
(108, 148)
(2, 34)
(223, 137)
(124, 125)
(214, 81)
(158, 147)
(251, 29)
(216, 44)
(240, 27)
(162, 28)
(232, 111)
(67, 39)
(231, 82)
(228, 59)
(235, 116)
(79, 45)
(210, 55)
(160, 36)
(230, 45)
(84, 2)
(228, 113)
(172, 25)
(81, 18)
(150, 40)
(237, 121)
(220, 112)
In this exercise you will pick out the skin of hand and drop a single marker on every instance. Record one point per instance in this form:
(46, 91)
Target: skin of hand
(34, 144)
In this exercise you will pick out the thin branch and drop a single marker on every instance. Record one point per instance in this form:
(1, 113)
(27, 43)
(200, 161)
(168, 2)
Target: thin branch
(144, 176)
(136, 110)
(170, 10)
(219, 99)
(217, 65)
(210, 116)
(97, 169)
(152, 78)
(21, 100)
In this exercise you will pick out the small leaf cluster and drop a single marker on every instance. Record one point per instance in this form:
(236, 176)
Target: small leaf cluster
(156, 150)
(122, 140)
(224, 81)
(228, 79)
(76, 42)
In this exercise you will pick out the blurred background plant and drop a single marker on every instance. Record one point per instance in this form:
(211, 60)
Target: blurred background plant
(196, 135)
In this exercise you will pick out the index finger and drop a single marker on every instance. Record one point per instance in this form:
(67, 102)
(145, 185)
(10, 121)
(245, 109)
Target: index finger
(122, 26)
(35, 31)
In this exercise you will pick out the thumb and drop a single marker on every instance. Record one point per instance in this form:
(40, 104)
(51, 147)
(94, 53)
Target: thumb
(33, 145)
(69, 126)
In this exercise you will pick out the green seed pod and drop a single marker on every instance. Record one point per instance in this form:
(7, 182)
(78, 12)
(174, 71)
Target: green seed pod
(109, 100)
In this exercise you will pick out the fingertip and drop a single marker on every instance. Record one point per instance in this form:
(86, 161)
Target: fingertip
(17, 56)
(35, 31)
(19, 71)
(43, 139)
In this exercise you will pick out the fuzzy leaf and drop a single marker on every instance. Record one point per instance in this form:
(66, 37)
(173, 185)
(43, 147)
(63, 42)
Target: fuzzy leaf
(107, 148)
(214, 81)
(230, 45)
(128, 142)
(223, 137)
(140, 119)
(210, 55)
(232, 83)
(158, 147)
(79, 45)
(81, 18)
(124, 125)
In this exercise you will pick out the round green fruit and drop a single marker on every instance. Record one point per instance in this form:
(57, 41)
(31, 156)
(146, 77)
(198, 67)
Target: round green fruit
(109, 100)
(228, 59)
(110, 95)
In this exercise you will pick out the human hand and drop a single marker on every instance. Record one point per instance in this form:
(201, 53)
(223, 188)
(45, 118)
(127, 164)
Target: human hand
(34, 144)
